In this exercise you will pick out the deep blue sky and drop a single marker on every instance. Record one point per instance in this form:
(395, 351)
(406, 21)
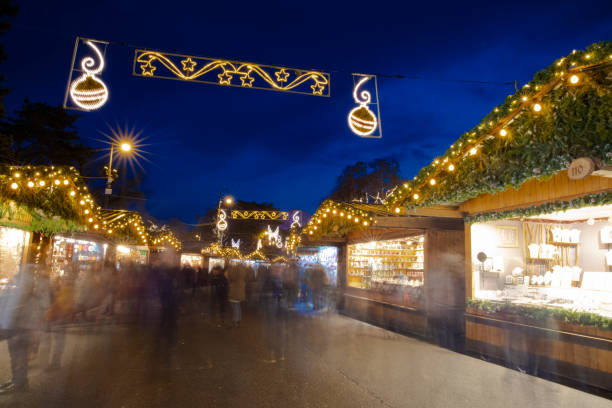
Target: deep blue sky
(287, 148)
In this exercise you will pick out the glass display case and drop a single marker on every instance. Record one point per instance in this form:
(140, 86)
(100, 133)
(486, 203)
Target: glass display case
(377, 264)
(551, 260)
(72, 256)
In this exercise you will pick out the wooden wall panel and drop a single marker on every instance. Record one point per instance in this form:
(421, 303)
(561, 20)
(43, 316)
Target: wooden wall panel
(535, 192)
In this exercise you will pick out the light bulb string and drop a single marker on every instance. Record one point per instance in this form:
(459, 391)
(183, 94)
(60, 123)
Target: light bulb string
(502, 123)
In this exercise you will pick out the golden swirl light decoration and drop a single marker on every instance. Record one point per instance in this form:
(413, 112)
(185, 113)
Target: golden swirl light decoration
(361, 120)
(88, 91)
(223, 72)
(260, 215)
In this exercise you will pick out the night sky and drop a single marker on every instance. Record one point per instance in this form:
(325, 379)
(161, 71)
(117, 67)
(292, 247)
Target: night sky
(286, 148)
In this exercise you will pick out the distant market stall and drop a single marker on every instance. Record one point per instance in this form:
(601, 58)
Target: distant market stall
(392, 268)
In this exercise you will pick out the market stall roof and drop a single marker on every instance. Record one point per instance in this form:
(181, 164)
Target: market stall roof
(55, 197)
(562, 114)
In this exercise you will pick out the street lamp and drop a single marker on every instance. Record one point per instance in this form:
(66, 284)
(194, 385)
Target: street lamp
(124, 147)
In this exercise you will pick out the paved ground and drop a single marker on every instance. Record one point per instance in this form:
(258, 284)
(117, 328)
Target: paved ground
(294, 359)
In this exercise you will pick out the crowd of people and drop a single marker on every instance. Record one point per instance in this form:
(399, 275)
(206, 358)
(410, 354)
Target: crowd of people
(35, 308)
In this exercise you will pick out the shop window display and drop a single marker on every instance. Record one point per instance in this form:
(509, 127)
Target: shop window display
(12, 244)
(552, 260)
(326, 256)
(71, 255)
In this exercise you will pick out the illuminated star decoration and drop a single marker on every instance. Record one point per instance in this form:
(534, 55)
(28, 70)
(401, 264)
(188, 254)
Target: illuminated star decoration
(147, 69)
(317, 89)
(88, 91)
(188, 64)
(247, 80)
(197, 69)
(225, 78)
(282, 75)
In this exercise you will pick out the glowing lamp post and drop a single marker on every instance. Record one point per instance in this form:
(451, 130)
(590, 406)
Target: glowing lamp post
(124, 148)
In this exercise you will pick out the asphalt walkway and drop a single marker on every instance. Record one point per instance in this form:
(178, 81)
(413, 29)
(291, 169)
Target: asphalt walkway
(275, 359)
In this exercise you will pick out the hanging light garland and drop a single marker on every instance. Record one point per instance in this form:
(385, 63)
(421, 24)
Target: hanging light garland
(533, 99)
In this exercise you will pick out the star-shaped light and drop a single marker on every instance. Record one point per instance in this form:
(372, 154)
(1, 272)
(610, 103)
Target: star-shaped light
(147, 69)
(282, 75)
(188, 64)
(225, 78)
(247, 80)
(317, 88)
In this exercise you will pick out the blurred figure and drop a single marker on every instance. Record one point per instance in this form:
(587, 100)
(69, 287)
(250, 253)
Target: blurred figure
(22, 312)
(290, 278)
(218, 284)
(273, 322)
(236, 277)
(317, 279)
(166, 280)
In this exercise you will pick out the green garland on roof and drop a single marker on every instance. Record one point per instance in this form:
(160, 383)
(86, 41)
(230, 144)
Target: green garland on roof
(585, 201)
(22, 217)
(575, 121)
(542, 314)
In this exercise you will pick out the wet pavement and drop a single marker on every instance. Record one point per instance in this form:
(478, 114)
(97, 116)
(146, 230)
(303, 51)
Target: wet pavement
(277, 358)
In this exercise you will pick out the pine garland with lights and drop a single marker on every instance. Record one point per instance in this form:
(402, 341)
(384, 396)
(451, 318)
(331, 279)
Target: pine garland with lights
(564, 113)
(336, 219)
(586, 201)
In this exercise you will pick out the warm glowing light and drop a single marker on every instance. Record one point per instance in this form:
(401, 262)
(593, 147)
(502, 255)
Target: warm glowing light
(350, 216)
(405, 185)
(57, 182)
(341, 214)
(432, 182)
(537, 107)
(65, 182)
(88, 91)
(96, 226)
(196, 69)
(415, 196)
(503, 132)
(574, 79)
(86, 212)
(72, 193)
(356, 219)
(473, 151)
(90, 219)
(365, 223)
(524, 98)
(82, 202)
(397, 210)
(125, 147)
(334, 212)
(361, 120)
(17, 175)
(41, 183)
(14, 186)
(451, 167)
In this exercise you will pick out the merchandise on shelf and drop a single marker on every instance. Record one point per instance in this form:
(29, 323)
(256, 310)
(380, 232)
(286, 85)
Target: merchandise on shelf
(390, 262)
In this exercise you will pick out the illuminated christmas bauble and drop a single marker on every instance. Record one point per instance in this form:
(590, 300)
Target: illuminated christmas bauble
(362, 121)
(88, 92)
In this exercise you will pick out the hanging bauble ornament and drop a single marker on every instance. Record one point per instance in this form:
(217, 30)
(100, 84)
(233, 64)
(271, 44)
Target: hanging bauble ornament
(88, 91)
(361, 119)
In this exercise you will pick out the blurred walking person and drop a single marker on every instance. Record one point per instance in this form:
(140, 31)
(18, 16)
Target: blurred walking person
(218, 284)
(236, 277)
(22, 311)
(290, 277)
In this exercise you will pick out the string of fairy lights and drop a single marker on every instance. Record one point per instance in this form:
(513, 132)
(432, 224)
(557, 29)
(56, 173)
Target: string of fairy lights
(41, 184)
(332, 211)
(570, 71)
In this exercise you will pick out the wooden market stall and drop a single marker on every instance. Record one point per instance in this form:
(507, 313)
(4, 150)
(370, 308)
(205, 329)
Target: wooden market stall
(400, 271)
(534, 182)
